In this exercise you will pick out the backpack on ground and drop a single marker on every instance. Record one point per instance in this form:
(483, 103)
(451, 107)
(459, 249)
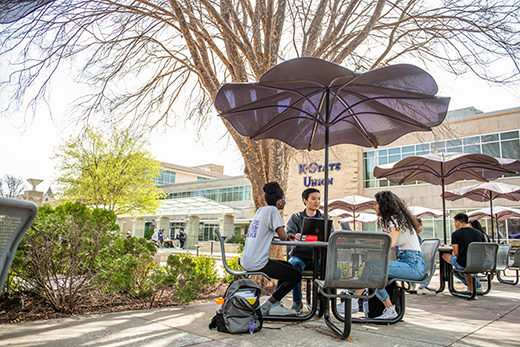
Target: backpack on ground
(374, 307)
(240, 312)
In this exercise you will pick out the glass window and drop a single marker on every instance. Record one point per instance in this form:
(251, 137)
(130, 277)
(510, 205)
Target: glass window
(394, 150)
(489, 137)
(509, 135)
(438, 146)
(382, 152)
(472, 149)
(394, 158)
(492, 149)
(511, 149)
(471, 140)
(369, 154)
(453, 143)
(454, 149)
(408, 149)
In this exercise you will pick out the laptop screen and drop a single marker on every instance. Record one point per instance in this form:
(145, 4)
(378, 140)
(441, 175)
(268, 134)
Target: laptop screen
(315, 226)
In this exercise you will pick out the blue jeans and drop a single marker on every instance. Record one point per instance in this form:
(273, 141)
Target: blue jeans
(300, 265)
(462, 278)
(409, 265)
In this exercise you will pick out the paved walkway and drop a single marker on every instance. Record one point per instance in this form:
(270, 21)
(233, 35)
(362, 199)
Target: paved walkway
(441, 320)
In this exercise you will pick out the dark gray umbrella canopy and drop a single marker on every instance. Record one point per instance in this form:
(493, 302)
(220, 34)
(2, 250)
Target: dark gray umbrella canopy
(310, 103)
(373, 109)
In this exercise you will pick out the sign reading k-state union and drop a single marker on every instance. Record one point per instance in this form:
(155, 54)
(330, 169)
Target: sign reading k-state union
(308, 169)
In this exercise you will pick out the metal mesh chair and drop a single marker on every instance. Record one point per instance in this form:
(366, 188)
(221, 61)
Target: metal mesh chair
(429, 248)
(16, 216)
(481, 257)
(243, 273)
(355, 260)
(345, 226)
(503, 264)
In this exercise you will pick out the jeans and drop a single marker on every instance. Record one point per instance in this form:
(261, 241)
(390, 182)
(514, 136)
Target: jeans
(409, 265)
(462, 278)
(300, 265)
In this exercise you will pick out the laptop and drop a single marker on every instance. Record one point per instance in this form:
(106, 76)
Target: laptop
(315, 226)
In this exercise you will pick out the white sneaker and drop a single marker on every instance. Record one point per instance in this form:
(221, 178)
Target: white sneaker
(388, 313)
(425, 291)
(354, 307)
(277, 309)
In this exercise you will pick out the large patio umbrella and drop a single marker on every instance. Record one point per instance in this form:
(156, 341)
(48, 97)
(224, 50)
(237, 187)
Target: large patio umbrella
(497, 213)
(310, 103)
(419, 212)
(487, 191)
(445, 168)
(353, 204)
(360, 217)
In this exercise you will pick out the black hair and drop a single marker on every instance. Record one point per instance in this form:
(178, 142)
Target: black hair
(419, 220)
(393, 209)
(461, 217)
(272, 193)
(309, 191)
(475, 224)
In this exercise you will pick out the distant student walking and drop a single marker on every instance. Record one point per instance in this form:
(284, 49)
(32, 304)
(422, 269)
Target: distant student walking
(265, 224)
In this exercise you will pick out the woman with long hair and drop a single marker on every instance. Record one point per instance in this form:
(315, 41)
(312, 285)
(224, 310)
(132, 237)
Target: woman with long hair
(396, 220)
(475, 224)
(255, 257)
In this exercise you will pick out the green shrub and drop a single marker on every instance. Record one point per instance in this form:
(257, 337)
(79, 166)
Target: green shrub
(189, 275)
(59, 255)
(239, 239)
(128, 266)
(148, 233)
(233, 264)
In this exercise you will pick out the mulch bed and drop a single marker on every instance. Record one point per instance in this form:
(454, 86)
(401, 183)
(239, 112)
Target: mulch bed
(26, 308)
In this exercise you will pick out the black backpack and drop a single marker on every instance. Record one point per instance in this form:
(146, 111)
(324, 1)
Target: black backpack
(376, 307)
(240, 312)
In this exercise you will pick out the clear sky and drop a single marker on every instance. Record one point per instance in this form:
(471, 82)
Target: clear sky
(26, 147)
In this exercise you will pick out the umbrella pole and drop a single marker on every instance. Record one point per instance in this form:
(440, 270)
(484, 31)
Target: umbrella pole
(491, 210)
(326, 205)
(443, 205)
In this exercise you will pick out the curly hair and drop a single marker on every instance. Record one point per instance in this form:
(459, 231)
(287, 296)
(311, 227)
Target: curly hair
(272, 193)
(393, 209)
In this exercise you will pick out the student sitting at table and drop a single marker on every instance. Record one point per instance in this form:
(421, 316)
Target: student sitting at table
(301, 257)
(255, 257)
(396, 220)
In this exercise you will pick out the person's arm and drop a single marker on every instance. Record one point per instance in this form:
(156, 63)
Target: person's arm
(281, 233)
(394, 234)
(455, 250)
(293, 230)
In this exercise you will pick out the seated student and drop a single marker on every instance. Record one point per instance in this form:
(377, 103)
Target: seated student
(255, 257)
(460, 240)
(475, 224)
(301, 257)
(396, 220)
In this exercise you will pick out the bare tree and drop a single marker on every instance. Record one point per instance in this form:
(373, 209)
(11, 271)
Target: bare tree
(140, 59)
(11, 186)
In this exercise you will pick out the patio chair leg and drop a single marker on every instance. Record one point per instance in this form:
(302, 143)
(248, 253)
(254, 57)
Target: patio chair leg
(347, 324)
(512, 282)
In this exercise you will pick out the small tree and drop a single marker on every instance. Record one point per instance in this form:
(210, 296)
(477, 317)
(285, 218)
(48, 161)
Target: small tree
(11, 186)
(112, 170)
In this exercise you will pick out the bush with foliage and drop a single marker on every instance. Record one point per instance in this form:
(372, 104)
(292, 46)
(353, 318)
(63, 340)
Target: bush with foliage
(148, 233)
(239, 239)
(128, 266)
(234, 265)
(59, 255)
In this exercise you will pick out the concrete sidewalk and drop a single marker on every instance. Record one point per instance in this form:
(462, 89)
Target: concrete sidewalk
(441, 320)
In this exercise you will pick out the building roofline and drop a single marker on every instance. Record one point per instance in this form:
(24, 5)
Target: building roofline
(192, 170)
